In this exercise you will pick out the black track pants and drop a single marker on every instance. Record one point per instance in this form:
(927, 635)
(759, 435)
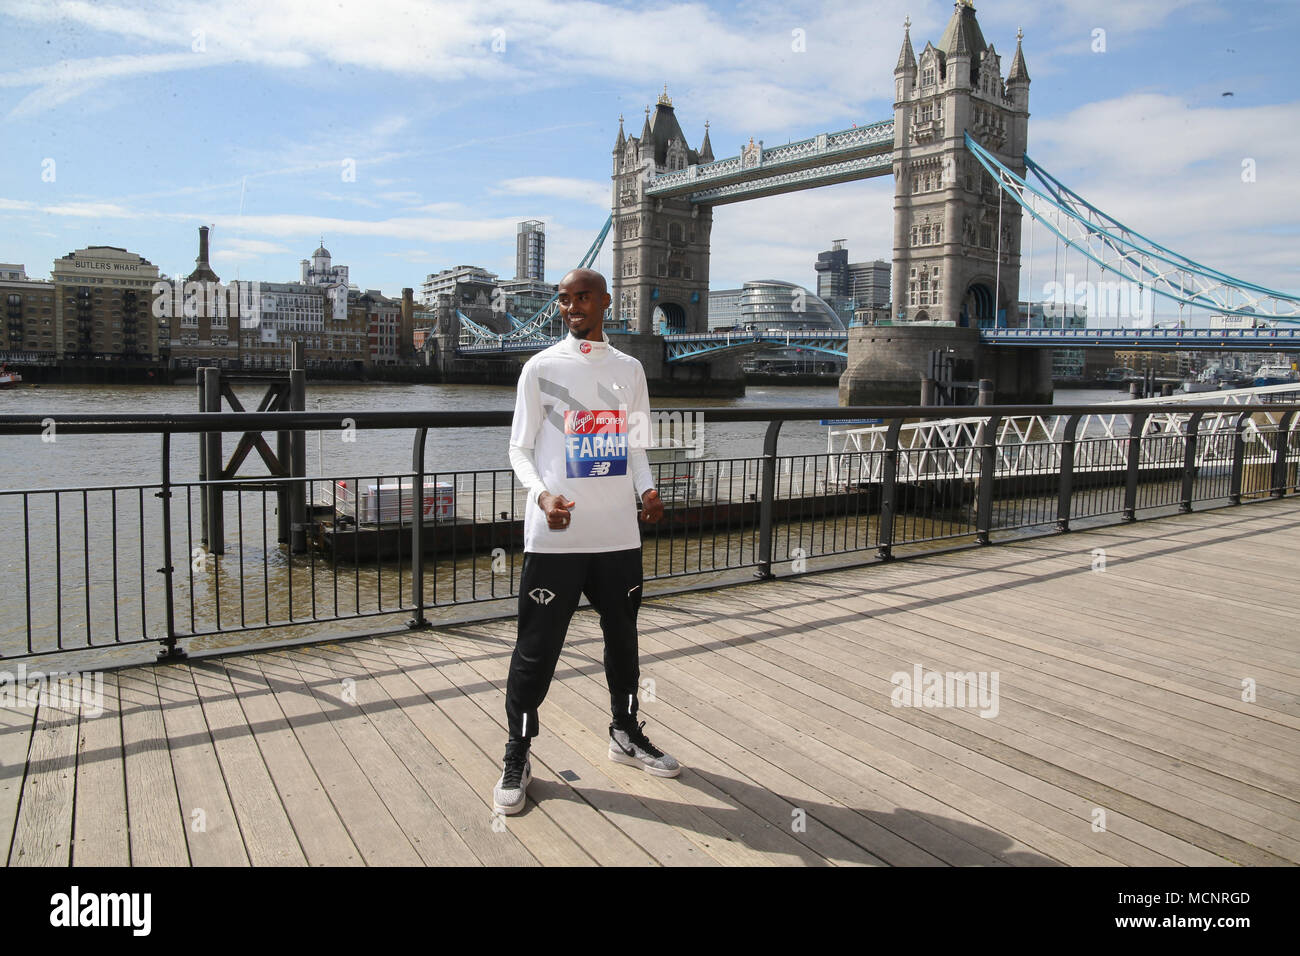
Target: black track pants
(548, 595)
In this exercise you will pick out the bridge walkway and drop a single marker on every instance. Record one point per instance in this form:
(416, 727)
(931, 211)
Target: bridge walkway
(1118, 734)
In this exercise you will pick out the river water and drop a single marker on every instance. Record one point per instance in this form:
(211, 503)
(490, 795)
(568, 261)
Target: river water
(56, 591)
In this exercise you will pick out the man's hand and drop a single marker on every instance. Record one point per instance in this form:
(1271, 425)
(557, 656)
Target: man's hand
(556, 508)
(652, 509)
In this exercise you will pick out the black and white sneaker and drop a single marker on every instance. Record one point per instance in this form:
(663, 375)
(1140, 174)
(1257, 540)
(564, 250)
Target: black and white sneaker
(632, 747)
(511, 791)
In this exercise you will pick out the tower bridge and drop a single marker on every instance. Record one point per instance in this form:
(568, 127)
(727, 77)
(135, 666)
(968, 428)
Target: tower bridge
(956, 146)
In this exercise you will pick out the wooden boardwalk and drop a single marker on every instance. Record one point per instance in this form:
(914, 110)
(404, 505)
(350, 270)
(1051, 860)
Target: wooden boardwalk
(1120, 737)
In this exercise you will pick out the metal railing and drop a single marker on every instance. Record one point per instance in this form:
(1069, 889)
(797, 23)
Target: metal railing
(108, 566)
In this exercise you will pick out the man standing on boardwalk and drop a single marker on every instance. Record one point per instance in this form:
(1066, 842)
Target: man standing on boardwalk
(578, 445)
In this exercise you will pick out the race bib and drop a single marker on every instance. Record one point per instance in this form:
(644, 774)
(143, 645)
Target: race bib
(595, 443)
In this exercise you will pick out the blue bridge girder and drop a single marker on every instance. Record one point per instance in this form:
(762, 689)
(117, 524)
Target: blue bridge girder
(1167, 340)
(686, 347)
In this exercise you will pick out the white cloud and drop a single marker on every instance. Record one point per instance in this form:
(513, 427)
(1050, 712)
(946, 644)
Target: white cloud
(588, 191)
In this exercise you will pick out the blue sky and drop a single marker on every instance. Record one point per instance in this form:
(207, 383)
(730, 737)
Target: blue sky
(463, 119)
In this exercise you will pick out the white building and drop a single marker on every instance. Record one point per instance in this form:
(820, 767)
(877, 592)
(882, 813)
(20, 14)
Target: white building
(319, 271)
(445, 282)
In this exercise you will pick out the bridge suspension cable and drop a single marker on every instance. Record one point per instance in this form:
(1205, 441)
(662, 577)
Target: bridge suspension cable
(538, 326)
(1104, 240)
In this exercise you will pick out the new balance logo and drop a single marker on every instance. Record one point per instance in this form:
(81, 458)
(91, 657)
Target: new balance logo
(541, 595)
(599, 468)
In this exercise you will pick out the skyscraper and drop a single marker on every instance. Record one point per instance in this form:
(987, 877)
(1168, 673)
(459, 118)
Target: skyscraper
(530, 251)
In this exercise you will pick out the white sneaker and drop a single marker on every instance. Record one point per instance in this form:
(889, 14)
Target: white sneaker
(511, 791)
(632, 747)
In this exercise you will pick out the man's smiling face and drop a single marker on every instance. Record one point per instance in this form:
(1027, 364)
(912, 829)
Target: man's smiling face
(583, 300)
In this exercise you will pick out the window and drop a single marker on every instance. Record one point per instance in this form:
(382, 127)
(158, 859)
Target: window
(927, 76)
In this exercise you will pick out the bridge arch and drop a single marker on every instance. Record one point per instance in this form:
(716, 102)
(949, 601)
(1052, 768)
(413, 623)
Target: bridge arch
(978, 307)
(671, 317)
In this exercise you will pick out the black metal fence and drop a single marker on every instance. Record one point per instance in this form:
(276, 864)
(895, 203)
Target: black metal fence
(119, 565)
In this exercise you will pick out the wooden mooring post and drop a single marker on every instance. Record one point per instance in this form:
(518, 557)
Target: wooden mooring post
(288, 461)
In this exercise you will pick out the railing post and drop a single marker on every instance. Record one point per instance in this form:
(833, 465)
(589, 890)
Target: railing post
(1278, 489)
(169, 652)
(1066, 491)
(419, 622)
(1238, 458)
(767, 496)
(216, 537)
(1136, 424)
(889, 491)
(298, 455)
(1189, 462)
(987, 440)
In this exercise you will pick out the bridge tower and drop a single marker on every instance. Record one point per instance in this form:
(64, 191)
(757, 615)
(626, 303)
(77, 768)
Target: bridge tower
(956, 264)
(948, 218)
(661, 246)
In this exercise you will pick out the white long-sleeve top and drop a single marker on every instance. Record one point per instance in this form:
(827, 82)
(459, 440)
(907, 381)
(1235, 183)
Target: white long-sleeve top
(581, 427)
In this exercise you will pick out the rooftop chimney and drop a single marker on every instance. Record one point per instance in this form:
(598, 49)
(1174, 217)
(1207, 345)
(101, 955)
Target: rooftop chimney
(202, 271)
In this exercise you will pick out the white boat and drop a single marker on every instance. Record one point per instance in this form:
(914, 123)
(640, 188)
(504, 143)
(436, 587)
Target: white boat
(1275, 374)
(9, 379)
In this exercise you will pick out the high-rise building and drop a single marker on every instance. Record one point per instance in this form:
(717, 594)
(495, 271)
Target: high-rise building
(851, 286)
(833, 272)
(868, 284)
(530, 251)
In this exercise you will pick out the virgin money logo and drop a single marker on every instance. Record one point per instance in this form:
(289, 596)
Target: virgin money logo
(584, 347)
(584, 423)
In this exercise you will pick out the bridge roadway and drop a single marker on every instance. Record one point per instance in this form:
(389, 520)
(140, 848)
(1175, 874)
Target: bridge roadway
(680, 347)
(1120, 691)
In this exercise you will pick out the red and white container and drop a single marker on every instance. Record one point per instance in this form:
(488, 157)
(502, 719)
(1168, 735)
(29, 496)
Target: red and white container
(389, 502)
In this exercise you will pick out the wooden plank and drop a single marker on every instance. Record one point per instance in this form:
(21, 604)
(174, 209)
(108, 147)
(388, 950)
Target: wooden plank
(765, 803)
(16, 727)
(480, 713)
(394, 718)
(839, 722)
(210, 825)
(800, 667)
(101, 828)
(846, 781)
(565, 744)
(157, 828)
(316, 823)
(268, 836)
(43, 831)
(1129, 683)
(370, 824)
(935, 799)
(419, 659)
(731, 831)
(324, 669)
(1102, 766)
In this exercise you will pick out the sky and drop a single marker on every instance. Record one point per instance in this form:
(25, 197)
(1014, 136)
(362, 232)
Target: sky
(414, 136)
